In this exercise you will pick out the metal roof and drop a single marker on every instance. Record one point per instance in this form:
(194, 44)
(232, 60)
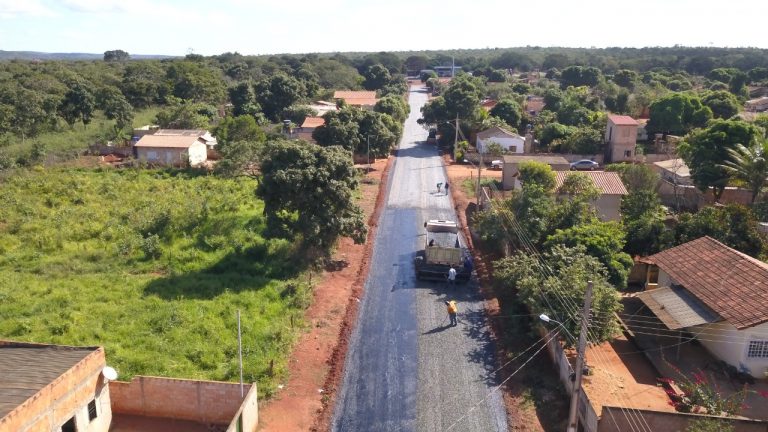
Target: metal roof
(677, 308)
(168, 141)
(25, 369)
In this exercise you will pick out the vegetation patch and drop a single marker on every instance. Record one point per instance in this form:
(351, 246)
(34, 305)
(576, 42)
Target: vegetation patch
(153, 265)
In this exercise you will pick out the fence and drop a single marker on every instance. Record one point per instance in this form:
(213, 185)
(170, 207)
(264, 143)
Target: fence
(206, 402)
(614, 420)
(587, 416)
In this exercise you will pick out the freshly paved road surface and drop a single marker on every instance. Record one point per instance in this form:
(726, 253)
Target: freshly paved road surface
(406, 370)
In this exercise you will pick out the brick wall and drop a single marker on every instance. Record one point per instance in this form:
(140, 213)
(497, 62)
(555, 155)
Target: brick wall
(620, 420)
(208, 402)
(66, 397)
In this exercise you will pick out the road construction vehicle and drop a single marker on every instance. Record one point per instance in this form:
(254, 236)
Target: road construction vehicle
(442, 250)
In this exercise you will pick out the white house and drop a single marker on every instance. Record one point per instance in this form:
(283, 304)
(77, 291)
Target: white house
(510, 141)
(172, 150)
(718, 295)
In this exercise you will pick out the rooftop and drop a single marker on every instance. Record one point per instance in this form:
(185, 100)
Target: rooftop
(732, 284)
(622, 120)
(551, 160)
(313, 122)
(27, 368)
(356, 97)
(168, 141)
(608, 182)
(496, 131)
(676, 166)
(181, 132)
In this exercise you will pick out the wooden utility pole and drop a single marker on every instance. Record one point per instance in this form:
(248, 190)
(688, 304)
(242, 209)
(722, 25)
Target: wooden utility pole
(573, 417)
(456, 139)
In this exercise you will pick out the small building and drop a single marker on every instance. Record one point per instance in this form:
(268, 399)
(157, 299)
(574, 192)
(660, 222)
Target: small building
(510, 141)
(203, 134)
(757, 105)
(608, 204)
(308, 127)
(53, 388)
(717, 294)
(488, 104)
(510, 170)
(323, 107)
(674, 171)
(621, 138)
(360, 99)
(172, 150)
(534, 105)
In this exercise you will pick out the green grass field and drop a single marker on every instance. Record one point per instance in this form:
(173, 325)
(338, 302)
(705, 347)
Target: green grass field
(76, 139)
(153, 265)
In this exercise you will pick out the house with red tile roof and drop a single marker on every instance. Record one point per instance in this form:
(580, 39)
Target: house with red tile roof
(308, 127)
(608, 204)
(360, 99)
(717, 294)
(621, 138)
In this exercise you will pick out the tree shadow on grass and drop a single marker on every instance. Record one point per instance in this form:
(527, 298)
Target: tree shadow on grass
(252, 269)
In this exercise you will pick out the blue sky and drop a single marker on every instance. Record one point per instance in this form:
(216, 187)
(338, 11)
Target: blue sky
(208, 27)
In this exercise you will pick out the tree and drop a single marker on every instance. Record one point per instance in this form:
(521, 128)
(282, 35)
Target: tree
(78, 104)
(733, 225)
(577, 76)
(723, 75)
(376, 77)
(358, 131)
(239, 158)
(416, 63)
(555, 283)
(677, 113)
(749, 165)
(738, 85)
(196, 82)
(509, 111)
(144, 83)
(758, 74)
(240, 128)
(243, 99)
(277, 93)
(308, 190)
(115, 107)
(703, 150)
(539, 174)
(393, 105)
(602, 240)
(722, 103)
(626, 78)
(116, 55)
(298, 113)
(185, 115)
(583, 140)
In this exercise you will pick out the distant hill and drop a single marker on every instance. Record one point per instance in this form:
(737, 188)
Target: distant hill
(34, 55)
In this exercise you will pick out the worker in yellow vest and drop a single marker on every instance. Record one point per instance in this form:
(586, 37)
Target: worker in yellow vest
(452, 311)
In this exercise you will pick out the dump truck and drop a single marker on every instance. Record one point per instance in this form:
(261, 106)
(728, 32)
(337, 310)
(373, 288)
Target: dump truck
(442, 250)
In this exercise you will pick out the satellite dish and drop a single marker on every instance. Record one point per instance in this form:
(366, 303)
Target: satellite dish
(109, 373)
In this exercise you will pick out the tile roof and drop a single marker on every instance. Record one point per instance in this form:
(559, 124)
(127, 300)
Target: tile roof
(168, 141)
(534, 103)
(356, 97)
(608, 182)
(732, 284)
(622, 120)
(313, 122)
(25, 369)
(488, 104)
(496, 131)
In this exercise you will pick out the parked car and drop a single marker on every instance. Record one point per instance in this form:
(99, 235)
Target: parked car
(497, 164)
(584, 165)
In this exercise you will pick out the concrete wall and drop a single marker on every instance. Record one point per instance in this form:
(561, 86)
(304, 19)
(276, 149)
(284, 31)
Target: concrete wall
(620, 420)
(506, 142)
(689, 197)
(608, 207)
(66, 397)
(200, 401)
(729, 344)
(620, 134)
(195, 155)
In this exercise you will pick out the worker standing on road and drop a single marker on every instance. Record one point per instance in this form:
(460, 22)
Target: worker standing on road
(452, 311)
(446, 188)
(452, 276)
(439, 185)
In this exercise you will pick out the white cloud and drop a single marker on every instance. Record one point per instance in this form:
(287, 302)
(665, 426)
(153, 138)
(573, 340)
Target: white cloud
(14, 8)
(96, 6)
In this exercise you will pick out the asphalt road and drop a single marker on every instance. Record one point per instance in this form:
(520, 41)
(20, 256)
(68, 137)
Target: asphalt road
(406, 370)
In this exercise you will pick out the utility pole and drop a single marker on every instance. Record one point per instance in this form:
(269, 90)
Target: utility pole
(573, 417)
(240, 353)
(368, 141)
(479, 167)
(456, 138)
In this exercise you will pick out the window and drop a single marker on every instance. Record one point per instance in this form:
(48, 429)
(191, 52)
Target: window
(757, 349)
(92, 414)
(628, 153)
(69, 426)
(513, 149)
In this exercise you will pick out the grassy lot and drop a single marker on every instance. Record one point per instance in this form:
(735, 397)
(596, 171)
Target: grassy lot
(152, 265)
(70, 140)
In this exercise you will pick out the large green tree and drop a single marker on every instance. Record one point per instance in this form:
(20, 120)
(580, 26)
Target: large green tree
(722, 103)
(240, 128)
(509, 111)
(704, 151)
(308, 190)
(277, 93)
(376, 77)
(196, 82)
(358, 131)
(734, 225)
(115, 106)
(677, 113)
(748, 164)
(78, 104)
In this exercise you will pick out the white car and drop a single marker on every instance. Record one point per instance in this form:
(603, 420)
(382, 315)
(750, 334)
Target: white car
(497, 164)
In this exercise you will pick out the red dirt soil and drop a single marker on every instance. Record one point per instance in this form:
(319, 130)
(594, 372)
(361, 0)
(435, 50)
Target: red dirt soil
(315, 368)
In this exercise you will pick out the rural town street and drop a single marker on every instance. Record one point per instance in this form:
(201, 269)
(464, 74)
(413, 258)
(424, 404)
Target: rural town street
(406, 369)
